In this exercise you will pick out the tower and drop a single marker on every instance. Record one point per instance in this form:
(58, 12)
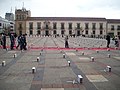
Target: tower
(20, 20)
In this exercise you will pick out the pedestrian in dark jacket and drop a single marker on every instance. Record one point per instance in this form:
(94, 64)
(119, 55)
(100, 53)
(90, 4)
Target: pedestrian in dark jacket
(23, 42)
(66, 42)
(18, 40)
(108, 40)
(4, 41)
(12, 39)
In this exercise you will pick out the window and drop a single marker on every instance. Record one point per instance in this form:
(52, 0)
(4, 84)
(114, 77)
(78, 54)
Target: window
(31, 32)
(62, 32)
(118, 33)
(101, 32)
(16, 16)
(20, 26)
(54, 25)
(78, 32)
(62, 26)
(0, 24)
(101, 26)
(70, 25)
(11, 26)
(93, 32)
(20, 32)
(11, 23)
(38, 32)
(31, 25)
(118, 27)
(86, 25)
(38, 25)
(3, 25)
(94, 26)
(70, 32)
(86, 32)
(46, 26)
(54, 32)
(22, 17)
(78, 25)
(112, 27)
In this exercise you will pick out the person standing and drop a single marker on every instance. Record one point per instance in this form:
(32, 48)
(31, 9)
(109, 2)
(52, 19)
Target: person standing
(108, 40)
(66, 42)
(119, 42)
(4, 41)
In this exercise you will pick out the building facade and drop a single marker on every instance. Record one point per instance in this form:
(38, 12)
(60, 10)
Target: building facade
(10, 18)
(77, 26)
(113, 26)
(87, 26)
(20, 20)
(4, 25)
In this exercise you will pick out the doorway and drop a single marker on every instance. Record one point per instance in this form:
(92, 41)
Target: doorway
(78, 33)
(46, 33)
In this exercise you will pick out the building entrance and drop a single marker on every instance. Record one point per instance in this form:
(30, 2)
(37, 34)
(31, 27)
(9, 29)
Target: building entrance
(46, 33)
(78, 33)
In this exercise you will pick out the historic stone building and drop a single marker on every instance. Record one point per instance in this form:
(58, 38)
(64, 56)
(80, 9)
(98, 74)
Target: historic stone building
(4, 25)
(113, 26)
(66, 26)
(87, 26)
(21, 16)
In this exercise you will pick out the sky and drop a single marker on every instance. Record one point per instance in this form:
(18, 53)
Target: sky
(109, 9)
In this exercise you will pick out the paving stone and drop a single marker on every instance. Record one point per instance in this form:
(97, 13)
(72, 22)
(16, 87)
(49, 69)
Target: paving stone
(52, 88)
(53, 72)
(96, 78)
(70, 54)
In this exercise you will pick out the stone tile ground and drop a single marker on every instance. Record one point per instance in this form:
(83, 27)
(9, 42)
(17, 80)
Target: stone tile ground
(53, 71)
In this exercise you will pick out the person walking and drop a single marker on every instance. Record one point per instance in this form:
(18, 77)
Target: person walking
(108, 40)
(12, 39)
(25, 43)
(116, 41)
(18, 40)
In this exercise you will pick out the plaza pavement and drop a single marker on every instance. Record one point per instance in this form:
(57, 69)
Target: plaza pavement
(53, 71)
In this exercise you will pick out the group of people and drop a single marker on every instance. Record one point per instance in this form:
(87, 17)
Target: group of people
(116, 39)
(21, 41)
